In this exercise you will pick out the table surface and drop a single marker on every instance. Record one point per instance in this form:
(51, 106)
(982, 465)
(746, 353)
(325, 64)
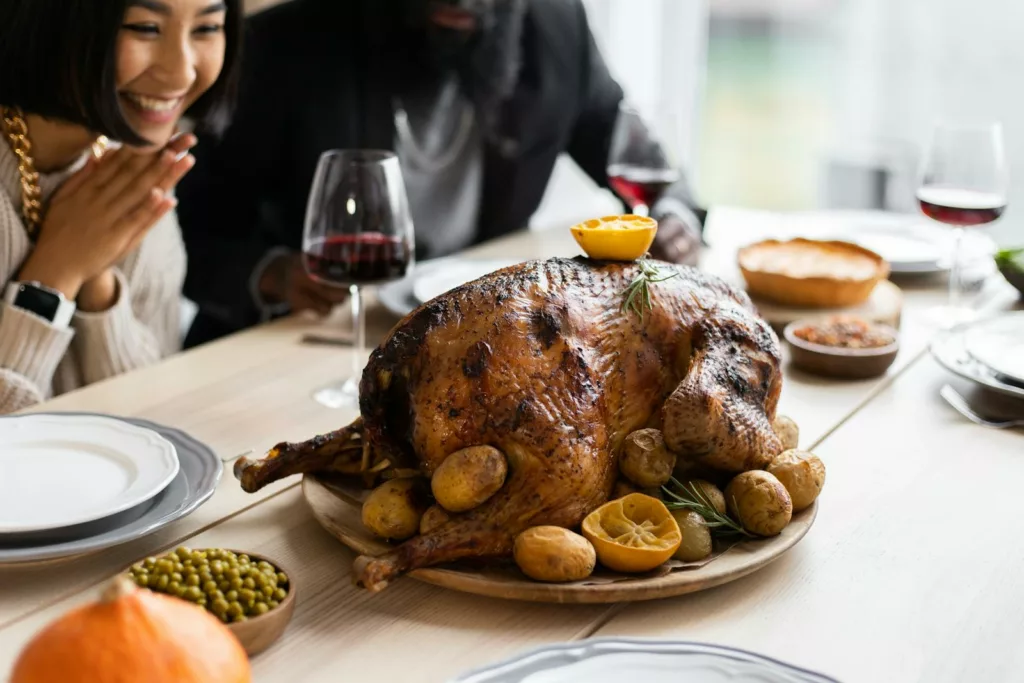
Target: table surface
(911, 571)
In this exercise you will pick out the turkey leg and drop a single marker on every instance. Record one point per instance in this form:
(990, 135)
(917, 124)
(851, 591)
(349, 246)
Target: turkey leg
(339, 451)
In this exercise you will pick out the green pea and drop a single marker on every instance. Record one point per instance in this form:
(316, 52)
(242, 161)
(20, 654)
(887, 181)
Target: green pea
(179, 567)
(224, 585)
(248, 583)
(233, 573)
(179, 591)
(268, 591)
(193, 593)
(161, 582)
(176, 576)
(234, 610)
(246, 596)
(216, 595)
(272, 603)
(231, 596)
(243, 559)
(182, 552)
(260, 608)
(219, 606)
(192, 580)
(142, 581)
(202, 601)
(236, 582)
(282, 578)
(240, 618)
(209, 586)
(280, 594)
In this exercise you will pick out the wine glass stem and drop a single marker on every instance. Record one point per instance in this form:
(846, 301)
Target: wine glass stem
(956, 270)
(358, 331)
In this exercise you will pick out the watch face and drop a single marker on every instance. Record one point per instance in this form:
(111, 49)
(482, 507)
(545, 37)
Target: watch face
(39, 301)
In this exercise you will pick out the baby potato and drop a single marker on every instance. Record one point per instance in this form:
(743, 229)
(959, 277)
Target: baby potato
(711, 492)
(646, 460)
(803, 475)
(624, 487)
(787, 431)
(696, 543)
(393, 509)
(554, 554)
(434, 517)
(468, 477)
(759, 502)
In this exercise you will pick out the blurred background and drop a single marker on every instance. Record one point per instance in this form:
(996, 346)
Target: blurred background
(806, 104)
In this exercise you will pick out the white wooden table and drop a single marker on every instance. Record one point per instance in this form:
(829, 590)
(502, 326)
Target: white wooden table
(898, 580)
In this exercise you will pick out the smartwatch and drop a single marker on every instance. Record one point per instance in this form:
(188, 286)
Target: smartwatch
(34, 297)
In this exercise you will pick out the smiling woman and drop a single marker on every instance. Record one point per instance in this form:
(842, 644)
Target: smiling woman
(90, 251)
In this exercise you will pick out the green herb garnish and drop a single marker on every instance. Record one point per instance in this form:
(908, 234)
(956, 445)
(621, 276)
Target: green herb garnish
(1011, 258)
(691, 497)
(638, 294)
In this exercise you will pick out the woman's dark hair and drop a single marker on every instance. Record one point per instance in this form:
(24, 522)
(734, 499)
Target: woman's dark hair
(57, 60)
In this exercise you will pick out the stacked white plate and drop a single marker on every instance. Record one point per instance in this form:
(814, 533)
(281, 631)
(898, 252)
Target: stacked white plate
(74, 483)
(433, 278)
(989, 352)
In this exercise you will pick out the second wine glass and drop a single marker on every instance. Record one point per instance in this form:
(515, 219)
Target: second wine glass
(963, 184)
(639, 167)
(358, 232)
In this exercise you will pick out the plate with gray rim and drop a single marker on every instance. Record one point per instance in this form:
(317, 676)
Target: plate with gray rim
(197, 478)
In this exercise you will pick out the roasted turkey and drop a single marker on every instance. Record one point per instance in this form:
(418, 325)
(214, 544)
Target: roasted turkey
(542, 362)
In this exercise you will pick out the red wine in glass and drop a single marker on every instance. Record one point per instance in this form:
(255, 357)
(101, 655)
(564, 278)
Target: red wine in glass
(363, 259)
(959, 207)
(638, 185)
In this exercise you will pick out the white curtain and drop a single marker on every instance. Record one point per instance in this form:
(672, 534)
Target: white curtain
(906, 64)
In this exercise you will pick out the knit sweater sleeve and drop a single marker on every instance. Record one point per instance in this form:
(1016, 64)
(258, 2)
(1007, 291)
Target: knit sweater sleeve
(30, 349)
(114, 341)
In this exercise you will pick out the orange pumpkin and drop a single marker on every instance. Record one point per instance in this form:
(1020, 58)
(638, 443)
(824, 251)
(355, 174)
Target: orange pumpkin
(133, 635)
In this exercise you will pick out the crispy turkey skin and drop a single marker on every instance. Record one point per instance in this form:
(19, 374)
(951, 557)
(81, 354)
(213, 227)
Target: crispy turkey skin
(541, 361)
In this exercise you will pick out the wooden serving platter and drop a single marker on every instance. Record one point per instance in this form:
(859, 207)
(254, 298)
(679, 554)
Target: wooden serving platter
(337, 508)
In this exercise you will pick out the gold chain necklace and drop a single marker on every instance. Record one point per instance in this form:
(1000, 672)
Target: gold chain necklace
(16, 132)
(31, 196)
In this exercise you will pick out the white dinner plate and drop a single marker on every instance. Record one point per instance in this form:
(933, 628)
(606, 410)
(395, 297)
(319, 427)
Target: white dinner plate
(436, 282)
(400, 298)
(999, 343)
(61, 470)
(618, 660)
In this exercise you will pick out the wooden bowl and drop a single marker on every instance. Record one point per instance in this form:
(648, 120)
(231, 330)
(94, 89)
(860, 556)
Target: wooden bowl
(256, 634)
(833, 361)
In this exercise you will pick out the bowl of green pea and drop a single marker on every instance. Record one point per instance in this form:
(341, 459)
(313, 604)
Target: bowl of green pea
(250, 593)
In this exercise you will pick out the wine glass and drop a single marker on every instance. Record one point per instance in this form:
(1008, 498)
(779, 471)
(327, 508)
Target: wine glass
(358, 232)
(639, 169)
(963, 184)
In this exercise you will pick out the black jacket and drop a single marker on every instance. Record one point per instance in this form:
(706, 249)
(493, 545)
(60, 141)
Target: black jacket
(312, 81)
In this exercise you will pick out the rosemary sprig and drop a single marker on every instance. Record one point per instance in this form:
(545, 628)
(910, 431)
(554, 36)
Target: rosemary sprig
(638, 293)
(691, 497)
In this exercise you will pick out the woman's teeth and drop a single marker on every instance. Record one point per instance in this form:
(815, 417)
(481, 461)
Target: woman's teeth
(153, 103)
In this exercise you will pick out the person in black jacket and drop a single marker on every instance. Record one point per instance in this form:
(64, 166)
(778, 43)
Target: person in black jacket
(477, 97)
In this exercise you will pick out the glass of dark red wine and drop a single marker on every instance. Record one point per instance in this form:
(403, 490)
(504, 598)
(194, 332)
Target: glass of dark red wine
(358, 233)
(963, 184)
(639, 168)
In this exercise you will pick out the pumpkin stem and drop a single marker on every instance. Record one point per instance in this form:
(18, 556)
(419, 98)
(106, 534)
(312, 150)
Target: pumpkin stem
(118, 588)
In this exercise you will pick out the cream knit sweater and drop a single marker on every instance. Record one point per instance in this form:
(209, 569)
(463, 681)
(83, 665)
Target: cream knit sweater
(37, 360)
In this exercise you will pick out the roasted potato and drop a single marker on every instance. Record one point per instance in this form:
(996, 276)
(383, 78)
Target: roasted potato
(711, 492)
(803, 475)
(434, 517)
(759, 502)
(624, 487)
(645, 460)
(554, 554)
(787, 431)
(393, 509)
(469, 477)
(696, 543)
